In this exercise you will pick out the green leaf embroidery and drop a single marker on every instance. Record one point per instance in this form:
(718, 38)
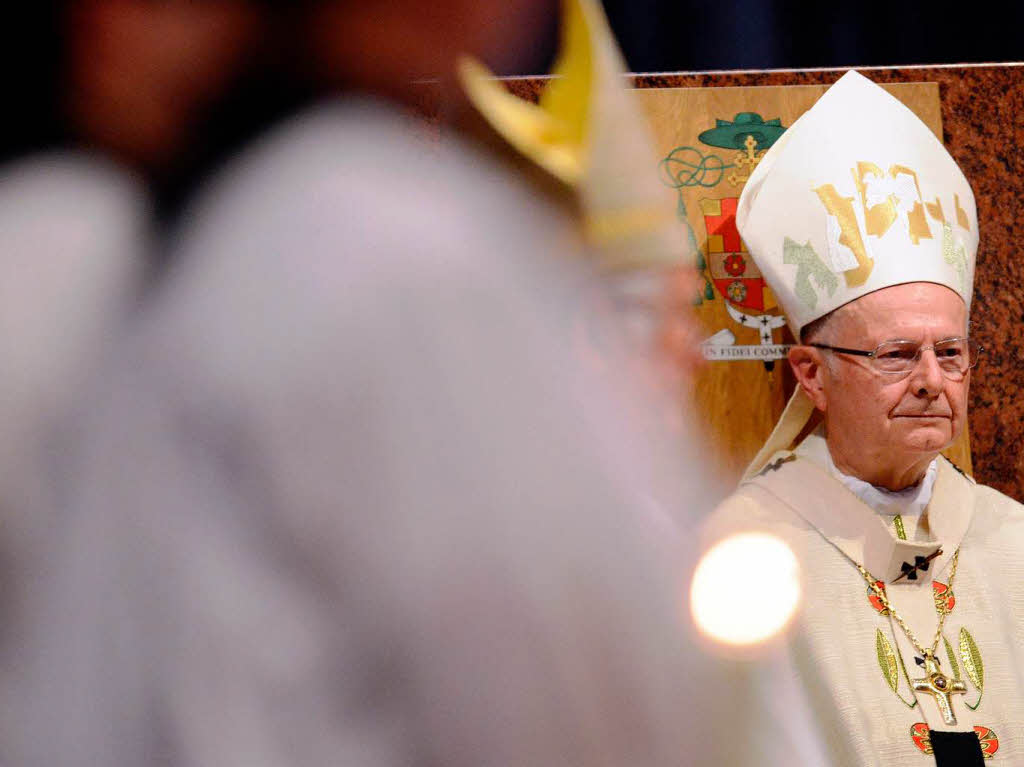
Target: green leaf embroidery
(886, 659)
(903, 668)
(972, 659)
(809, 266)
(953, 666)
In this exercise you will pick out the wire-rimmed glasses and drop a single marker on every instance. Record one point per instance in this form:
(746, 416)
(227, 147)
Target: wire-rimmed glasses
(955, 355)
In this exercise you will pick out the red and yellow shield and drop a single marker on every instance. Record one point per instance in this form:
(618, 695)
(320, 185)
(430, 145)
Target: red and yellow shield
(733, 271)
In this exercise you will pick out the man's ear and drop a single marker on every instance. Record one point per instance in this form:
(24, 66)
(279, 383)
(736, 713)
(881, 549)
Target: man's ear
(809, 367)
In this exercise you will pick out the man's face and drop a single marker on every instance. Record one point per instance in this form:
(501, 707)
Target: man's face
(877, 420)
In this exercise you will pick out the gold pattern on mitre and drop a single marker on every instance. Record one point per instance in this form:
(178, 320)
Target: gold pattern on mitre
(588, 132)
(863, 183)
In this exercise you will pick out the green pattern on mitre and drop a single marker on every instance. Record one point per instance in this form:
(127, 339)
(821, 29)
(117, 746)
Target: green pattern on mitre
(808, 265)
(955, 257)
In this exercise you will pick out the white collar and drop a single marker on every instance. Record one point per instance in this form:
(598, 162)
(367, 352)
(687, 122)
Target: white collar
(908, 502)
(853, 527)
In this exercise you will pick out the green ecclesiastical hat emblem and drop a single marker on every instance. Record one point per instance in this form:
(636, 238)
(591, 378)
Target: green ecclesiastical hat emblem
(733, 135)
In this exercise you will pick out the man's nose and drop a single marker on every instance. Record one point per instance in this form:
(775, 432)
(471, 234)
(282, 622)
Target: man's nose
(927, 376)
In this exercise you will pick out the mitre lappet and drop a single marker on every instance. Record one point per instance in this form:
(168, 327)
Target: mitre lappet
(857, 195)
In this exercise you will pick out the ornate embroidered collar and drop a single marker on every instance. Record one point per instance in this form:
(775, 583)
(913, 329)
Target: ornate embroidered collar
(804, 482)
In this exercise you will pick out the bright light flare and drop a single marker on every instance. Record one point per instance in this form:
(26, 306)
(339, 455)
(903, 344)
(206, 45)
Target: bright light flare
(745, 589)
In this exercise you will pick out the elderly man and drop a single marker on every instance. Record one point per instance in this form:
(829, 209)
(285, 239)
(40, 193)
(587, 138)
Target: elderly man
(909, 638)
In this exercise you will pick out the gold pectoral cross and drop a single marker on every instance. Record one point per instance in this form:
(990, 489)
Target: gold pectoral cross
(940, 687)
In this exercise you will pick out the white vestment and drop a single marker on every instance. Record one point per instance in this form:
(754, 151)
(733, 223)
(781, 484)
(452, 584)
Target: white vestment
(350, 498)
(844, 670)
(75, 235)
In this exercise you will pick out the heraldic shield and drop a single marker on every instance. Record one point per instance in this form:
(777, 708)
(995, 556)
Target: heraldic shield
(733, 272)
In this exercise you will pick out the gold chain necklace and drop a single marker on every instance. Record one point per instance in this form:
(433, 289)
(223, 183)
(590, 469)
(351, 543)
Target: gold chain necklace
(935, 683)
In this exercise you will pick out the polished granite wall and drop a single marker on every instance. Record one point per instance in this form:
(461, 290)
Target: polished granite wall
(983, 128)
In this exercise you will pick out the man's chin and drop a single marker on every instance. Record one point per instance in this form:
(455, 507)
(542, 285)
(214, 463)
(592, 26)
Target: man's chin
(927, 435)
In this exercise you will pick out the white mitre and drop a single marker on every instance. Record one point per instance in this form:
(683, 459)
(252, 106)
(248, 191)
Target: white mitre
(857, 195)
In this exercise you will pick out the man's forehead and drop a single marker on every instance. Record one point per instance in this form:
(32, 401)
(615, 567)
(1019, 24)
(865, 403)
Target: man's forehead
(906, 310)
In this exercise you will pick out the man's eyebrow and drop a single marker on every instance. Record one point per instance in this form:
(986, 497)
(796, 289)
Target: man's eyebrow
(917, 341)
(898, 340)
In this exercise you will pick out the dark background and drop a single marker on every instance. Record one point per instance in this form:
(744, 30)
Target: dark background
(699, 35)
(655, 36)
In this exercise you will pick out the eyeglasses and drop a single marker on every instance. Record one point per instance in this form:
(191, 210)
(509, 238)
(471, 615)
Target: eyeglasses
(955, 355)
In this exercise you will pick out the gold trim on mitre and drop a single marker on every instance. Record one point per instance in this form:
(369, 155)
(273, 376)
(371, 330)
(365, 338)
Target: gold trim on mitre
(850, 200)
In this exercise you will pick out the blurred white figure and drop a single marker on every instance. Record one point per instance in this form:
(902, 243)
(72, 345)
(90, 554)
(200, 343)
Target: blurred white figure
(75, 232)
(350, 499)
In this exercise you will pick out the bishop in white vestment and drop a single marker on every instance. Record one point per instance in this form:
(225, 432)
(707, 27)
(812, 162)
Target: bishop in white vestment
(908, 646)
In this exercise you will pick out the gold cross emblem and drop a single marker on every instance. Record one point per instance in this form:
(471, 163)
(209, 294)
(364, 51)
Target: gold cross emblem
(940, 687)
(751, 157)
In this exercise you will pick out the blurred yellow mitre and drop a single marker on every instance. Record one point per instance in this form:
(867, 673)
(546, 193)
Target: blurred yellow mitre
(589, 133)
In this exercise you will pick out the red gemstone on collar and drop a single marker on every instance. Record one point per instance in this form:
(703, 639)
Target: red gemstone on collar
(875, 601)
(944, 597)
